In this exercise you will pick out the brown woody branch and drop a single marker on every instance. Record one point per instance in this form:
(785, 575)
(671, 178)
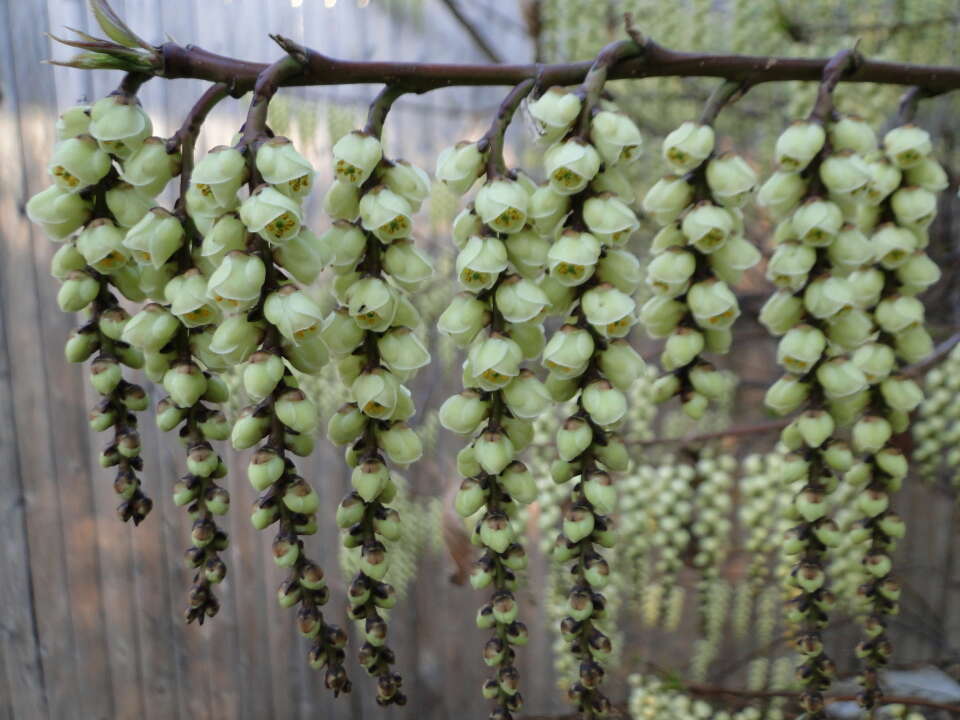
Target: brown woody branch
(656, 61)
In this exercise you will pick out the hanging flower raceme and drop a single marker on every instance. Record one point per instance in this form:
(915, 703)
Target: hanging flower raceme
(591, 281)
(895, 216)
(88, 209)
(374, 333)
(497, 319)
(255, 250)
(698, 255)
(818, 319)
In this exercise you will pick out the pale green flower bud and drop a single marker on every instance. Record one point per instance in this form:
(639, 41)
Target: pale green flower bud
(612, 179)
(609, 219)
(913, 344)
(345, 425)
(694, 405)
(235, 285)
(845, 410)
(496, 532)
(369, 479)
(187, 295)
(827, 295)
(127, 280)
(817, 222)
(303, 256)
(885, 177)
(605, 403)
(929, 175)
(105, 375)
(681, 348)
(621, 364)
(155, 238)
(127, 204)
(578, 523)
(406, 264)
(707, 226)
(293, 313)
(667, 199)
(101, 244)
(345, 243)
(554, 112)
(494, 361)
(462, 413)
(850, 328)
(503, 205)
(800, 349)
(621, 269)
(155, 365)
(470, 497)
(520, 300)
(781, 192)
(918, 273)
(408, 181)
(613, 455)
(342, 201)
(527, 252)
(901, 393)
(81, 345)
(731, 179)
(561, 389)
(914, 207)
(465, 225)
(572, 259)
(57, 212)
(561, 296)
(570, 166)
(480, 262)
(669, 273)
(574, 436)
(907, 145)
(736, 255)
(402, 351)
(386, 214)
(787, 394)
(609, 310)
(844, 173)
(458, 167)
(896, 313)
(463, 318)
(493, 451)
(852, 133)
(815, 426)
(688, 146)
(518, 481)
(660, 315)
(467, 464)
(530, 337)
(616, 137)
(226, 234)
(870, 434)
(185, 383)
(547, 209)
(73, 121)
(376, 393)
(519, 431)
(781, 312)
(713, 304)
(150, 167)
(78, 163)
(119, 124)
(840, 378)
(236, 338)
(151, 328)
(271, 214)
(401, 444)
(717, 341)
(665, 387)
(875, 360)
(600, 492)
(283, 167)
(262, 374)
(372, 304)
(798, 144)
(851, 249)
(568, 352)
(708, 381)
(867, 284)
(526, 396)
(892, 462)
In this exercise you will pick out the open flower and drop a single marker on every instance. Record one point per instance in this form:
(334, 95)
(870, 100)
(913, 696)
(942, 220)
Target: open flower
(781, 192)
(73, 121)
(271, 214)
(101, 244)
(402, 351)
(293, 313)
(609, 218)
(236, 339)
(235, 284)
(547, 209)
(572, 259)
(616, 137)
(907, 145)
(707, 226)
(731, 179)
(713, 304)
(554, 113)
(219, 175)
(800, 349)
(667, 199)
(669, 272)
(571, 165)
(463, 318)
(458, 167)
(609, 310)
(495, 361)
(78, 163)
(150, 167)
(155, 239)
(119, 124)
(798, 144)
(376, 393)
(372, 304)
(569, 350)
(356, 155)
(57, 212)
(187, 295)
(688, 146)
(480, 262)
(503, 205)
(520, 300)
(817, 222)
(385, 214)
(893, 245)
(283, 167)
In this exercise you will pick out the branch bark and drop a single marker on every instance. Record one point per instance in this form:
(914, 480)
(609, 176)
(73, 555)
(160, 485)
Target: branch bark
(656, 61)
